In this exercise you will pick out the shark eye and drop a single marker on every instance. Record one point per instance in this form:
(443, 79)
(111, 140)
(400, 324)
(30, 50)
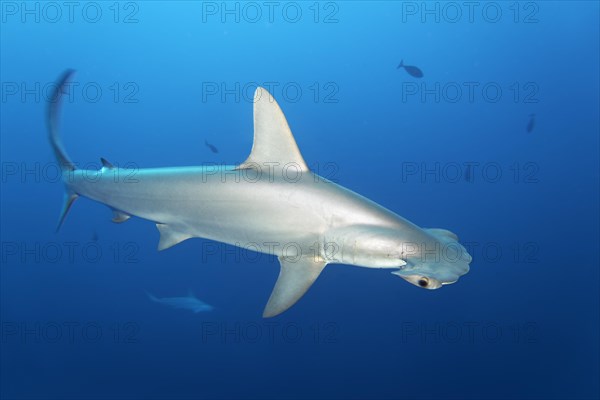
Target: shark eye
(423, 282)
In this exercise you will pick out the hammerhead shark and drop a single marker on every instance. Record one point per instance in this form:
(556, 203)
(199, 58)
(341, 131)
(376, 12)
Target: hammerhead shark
(271, 203)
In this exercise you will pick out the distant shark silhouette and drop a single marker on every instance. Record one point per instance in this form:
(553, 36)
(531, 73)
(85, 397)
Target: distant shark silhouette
(190, 302)
(322, 222)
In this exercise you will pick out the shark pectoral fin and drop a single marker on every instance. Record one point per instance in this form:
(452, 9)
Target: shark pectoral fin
(170, 237)
(295, 277)
(120, 216)
(274, 146)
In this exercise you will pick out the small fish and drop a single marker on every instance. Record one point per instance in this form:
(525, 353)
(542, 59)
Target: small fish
(94, 236)
(531, 123)
(190, 302)
(412, 70)
(211, 147)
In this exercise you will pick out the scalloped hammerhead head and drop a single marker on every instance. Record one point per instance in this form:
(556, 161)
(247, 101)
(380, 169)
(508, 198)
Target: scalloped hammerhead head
(271, 199)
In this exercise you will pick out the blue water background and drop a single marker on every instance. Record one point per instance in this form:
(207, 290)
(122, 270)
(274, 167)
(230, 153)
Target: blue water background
(524, 323)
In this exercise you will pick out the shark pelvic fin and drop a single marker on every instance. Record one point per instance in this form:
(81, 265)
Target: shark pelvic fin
(120, 216)
(274, 146)
(169, 237)
(70, 197)
(295, 278)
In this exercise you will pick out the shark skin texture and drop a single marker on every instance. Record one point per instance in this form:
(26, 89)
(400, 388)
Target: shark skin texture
(271, 202)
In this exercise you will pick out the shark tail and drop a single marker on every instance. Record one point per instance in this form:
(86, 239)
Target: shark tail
(65, 163)
(400, 65)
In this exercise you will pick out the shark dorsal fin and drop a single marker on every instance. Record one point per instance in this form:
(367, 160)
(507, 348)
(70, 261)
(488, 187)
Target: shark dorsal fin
(274, 145)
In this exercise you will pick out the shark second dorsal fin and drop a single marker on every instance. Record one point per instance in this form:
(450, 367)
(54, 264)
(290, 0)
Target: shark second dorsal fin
(295, 278)
(274, 145)
(106, 163)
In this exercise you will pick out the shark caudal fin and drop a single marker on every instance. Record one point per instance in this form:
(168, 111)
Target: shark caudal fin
(52, 119)
(65, 163)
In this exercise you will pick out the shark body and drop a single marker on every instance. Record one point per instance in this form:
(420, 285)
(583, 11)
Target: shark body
(190, 302)
(270, 203)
